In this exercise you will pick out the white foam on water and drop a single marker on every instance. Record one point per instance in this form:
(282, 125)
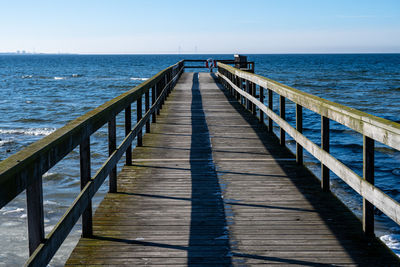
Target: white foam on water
(393, 242)
(139, 79)
(29, 131)
(59, 78)
(49, 202)
(26, 76)
(17, 210)
(10, 224)
(6, 141)
(47, 174)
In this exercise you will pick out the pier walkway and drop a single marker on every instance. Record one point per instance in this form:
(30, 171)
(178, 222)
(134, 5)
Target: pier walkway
(211, 186)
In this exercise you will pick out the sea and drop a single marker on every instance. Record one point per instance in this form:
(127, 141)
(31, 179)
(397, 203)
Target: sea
(41, 93)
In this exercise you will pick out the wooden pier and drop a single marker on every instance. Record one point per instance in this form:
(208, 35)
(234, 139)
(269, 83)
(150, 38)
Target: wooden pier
(208, 183)
(210, 186)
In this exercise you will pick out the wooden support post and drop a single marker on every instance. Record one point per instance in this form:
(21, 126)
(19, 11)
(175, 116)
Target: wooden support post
(368, 173)
(241, 88)
(164, 90)
(262, 101)
(158, 93)
(34, 203)
(247, 90)
(167, 80)
(128, 128)
(299, 128)
(238, 96)
(270, 106)
(283, 115)
(325, 146)
(253, 93)
(231, 77)
(112, 146)
(138, 118)
(153, 100)
(84, 156)
(147, 107)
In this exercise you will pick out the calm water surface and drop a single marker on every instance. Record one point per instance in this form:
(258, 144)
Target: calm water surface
(40, 93)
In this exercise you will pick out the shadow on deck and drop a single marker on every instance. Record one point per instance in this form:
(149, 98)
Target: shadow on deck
(188, 199)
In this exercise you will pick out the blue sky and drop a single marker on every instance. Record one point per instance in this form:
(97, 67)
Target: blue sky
(218, 26)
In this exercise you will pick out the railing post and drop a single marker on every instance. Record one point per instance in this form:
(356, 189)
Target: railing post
(158, 92)
(299, 128)
(84, 156)
(147, 107)
(270, 106)
(368, 173)
(237, 95)
(237, 84)
(153, 100)
(241, 88)
(262, 101)
(34, 202)
(112, 145)
(283, 115)
(165, 89)
(138, 118)
(128, 128)
(247, 90)
(325, 146)
(231, 78)
(253, 93)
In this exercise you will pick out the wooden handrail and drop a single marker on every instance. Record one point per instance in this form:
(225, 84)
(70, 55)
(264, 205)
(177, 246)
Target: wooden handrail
(372, 128)
(379, 129)
(250, 64)
(24, 169)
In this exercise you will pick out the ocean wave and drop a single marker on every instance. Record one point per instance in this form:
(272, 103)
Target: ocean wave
(6, 142)
(29, 131)
(392, 241)
(75, 75)
(26, 76)
(58, 78)
(396, 171)
(139, 79)
(17, 210)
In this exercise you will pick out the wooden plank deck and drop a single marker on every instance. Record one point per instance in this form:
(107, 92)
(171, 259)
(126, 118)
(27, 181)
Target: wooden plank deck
(210, 186)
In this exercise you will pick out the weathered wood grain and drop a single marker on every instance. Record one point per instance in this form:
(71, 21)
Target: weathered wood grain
(379, 129)
(211, 186)
(371, 193)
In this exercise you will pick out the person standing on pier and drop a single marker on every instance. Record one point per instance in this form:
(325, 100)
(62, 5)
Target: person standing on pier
(210, 64)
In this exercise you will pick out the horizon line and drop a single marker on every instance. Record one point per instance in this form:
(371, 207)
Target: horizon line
(202, 53)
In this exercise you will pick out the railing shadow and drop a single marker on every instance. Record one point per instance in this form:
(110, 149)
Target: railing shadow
(338, 218)
(207, 203)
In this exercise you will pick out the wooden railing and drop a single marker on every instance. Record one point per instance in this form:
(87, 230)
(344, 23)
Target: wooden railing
(249, 64)
(24, 170)
(243, 86)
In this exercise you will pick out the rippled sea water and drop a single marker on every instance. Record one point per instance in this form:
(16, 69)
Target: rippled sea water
(40, 93)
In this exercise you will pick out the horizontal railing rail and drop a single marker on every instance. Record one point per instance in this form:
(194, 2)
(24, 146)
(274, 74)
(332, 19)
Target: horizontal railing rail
(243, 86)
(24, 170)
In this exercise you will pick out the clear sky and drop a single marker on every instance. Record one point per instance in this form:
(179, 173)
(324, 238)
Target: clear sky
(186, 26)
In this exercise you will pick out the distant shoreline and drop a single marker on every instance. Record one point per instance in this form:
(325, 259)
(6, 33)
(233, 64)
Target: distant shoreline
(189, 54)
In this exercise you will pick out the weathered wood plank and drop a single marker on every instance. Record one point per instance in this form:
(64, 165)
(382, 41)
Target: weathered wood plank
(371, 193)
(220, 190)
(379, 129)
